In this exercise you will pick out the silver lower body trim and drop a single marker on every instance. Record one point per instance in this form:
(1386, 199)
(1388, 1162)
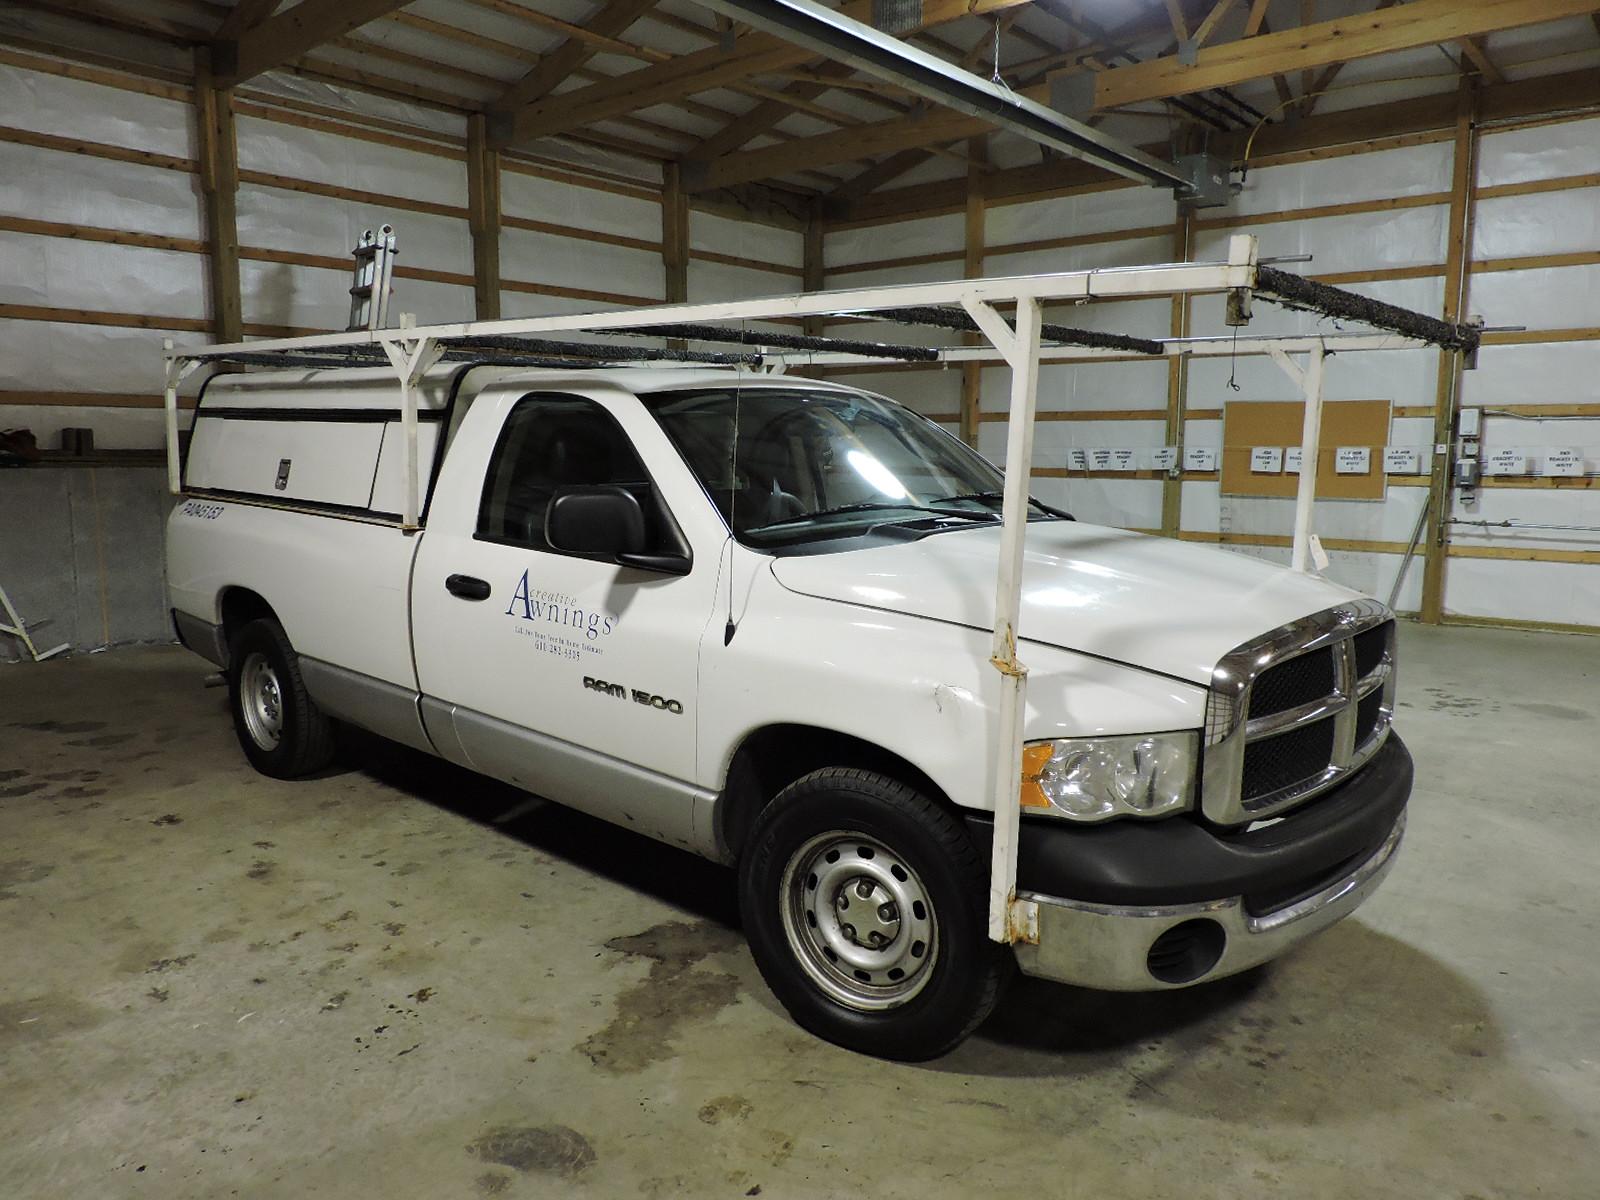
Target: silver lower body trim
(1107, 947)
(658, 806)
(384, 708)
(202, 637)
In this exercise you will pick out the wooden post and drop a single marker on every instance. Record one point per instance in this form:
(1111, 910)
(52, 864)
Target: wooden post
(483, 217)
(972, 268)
(674, 234)
(1177, 385)
(1457, 275)
(219, 187)
(814, 266)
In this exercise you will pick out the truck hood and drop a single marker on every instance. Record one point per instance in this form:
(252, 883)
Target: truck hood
(1148, 601)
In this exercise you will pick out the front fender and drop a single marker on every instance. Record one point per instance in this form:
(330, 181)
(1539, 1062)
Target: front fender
(922, 689)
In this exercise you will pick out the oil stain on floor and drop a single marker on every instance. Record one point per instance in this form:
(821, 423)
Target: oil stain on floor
(552, 1149)
(675, 992)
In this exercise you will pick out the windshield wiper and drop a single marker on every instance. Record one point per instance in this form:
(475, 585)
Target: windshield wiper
(998, 497)
(869, 505)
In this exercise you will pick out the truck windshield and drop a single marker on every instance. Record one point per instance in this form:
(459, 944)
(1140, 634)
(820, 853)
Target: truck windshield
(791, 465)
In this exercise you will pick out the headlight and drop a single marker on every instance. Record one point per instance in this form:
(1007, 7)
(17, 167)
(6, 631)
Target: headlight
(1094, 779)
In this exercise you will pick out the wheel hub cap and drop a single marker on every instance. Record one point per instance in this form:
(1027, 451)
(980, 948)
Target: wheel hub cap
(868, 914)
(859, 921)
(261, 701)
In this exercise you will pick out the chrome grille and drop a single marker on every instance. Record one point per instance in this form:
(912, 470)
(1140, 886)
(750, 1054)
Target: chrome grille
(1273, 764)
(1293, 712)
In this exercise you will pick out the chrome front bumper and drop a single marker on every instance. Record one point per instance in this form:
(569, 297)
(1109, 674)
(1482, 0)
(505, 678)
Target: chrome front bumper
(1108, 947)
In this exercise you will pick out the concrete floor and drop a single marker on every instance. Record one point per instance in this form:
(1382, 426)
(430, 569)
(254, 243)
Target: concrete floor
(400, 980)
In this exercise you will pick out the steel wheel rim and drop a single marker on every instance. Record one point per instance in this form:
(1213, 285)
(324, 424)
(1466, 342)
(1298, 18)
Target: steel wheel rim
(261, 701)
(859, 921)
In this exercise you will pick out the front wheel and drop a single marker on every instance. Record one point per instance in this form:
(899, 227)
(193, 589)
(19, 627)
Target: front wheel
(864, 904)
(280, 728)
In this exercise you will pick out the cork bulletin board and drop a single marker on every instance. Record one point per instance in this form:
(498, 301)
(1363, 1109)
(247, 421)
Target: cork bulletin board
(1247, 425)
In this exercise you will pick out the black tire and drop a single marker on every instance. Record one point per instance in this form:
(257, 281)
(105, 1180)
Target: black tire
(263, 680)
(890, 846)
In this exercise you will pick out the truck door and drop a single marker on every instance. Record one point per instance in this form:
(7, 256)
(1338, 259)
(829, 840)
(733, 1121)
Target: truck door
(570, 677)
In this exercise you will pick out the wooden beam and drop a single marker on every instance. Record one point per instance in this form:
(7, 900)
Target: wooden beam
(674, 235)
(1222, 8)
(766, 115)
(1447, 383)
(972, 268)
(483, 218)
(814, 264)
(1258, 15)
(1177, 383)
(219, 188)
(1478, 55)
(571, 54)
(244, 16)
(882, 137)
(704, 70)
(1426, 118)
(292, 34)
(1405, 27)
(875, 176)
(1180, 27)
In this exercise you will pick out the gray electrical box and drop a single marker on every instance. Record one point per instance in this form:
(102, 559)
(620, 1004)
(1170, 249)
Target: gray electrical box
(1207, 183)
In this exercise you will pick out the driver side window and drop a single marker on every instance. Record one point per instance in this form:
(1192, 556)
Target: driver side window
(555, 442)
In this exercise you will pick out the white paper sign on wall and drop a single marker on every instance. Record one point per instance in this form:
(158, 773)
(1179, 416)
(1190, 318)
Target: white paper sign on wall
(1353, 460)
(1077, 459)
(1199, 458)
(1401, 460)
(1291, 460)
(1100, 458)
(1266, 460)
(1510, 461)
(1563, 460)
(1124, 458)
(1163, 458)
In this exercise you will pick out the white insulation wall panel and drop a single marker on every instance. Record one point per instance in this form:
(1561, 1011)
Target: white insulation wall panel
(1543, 152)
(1563, 593)
(1542, 223)
(312, 154)
(932, 393)
(1408, 171)
(549, 259)
(67, 273)
(77, 108)
(78, 190)
(747, 239)
(315, 298)
(276, 218)
(1063, 216)
(541, 199)
(903, 239)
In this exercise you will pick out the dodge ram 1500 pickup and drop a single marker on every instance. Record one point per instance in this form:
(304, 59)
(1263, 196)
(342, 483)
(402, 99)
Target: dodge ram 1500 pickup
(749, 615)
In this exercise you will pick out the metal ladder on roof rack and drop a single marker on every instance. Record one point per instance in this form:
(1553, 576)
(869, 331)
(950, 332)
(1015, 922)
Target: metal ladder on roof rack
(369, 293)
(18, 628)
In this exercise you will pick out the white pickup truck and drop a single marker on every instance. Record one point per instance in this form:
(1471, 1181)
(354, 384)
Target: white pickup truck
(750, 615)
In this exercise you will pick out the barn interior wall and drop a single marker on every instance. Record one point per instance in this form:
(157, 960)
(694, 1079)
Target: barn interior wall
(1375, 223)
(103, 255)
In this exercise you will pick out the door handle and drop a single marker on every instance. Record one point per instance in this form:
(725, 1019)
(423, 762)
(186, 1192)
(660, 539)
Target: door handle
(468, 587)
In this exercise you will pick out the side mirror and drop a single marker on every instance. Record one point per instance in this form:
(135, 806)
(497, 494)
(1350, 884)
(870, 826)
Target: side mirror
(605, 521)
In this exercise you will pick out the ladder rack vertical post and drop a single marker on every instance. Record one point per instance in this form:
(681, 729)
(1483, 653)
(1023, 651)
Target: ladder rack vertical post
(411, 360)
(1310, 452)
(177, 370)
(1007, 921)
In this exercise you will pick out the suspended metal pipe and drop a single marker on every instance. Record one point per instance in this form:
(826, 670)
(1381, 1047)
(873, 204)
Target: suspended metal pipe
(841, 39)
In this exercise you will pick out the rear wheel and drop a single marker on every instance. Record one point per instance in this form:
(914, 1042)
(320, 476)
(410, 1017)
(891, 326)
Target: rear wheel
(280, 728)
(863, 902)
